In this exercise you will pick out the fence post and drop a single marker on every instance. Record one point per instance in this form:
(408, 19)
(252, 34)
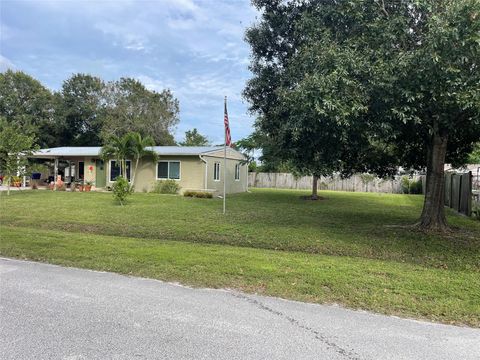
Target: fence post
(465, 203)
(451, 190)
(448, 189)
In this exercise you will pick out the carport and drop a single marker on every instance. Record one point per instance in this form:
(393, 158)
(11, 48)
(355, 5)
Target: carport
(74, 164)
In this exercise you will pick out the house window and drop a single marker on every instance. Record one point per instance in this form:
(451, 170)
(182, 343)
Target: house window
(237, 172)
(168, 170)
(115, 170)
(216, 171)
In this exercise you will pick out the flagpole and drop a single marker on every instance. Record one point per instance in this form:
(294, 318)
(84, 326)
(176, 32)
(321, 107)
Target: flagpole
(225, 163)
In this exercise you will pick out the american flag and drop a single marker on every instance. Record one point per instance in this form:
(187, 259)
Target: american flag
(228, 138)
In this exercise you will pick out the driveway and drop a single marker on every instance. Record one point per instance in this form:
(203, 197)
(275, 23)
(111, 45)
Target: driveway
(52, 312)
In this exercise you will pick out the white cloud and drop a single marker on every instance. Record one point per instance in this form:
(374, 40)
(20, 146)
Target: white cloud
(126, 36)
(6, 64)
(195, 48)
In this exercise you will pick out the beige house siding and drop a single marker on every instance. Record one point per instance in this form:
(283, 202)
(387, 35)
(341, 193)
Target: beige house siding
(196, 172)
(192, 173)
(231, 154)
(233, 186)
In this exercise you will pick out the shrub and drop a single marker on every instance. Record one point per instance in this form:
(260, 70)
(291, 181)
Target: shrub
(405, 184)
(416, 187)
(411, 186)
(166, 187)
(121, 189)
(198, 194)
(476, 210)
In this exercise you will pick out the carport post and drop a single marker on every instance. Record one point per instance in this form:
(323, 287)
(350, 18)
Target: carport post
(55, 173)
(70, 172)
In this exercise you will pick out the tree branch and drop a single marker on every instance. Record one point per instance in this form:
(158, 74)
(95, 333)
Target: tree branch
(382, 7)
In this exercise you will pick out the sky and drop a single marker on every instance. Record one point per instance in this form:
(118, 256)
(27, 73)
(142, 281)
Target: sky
(195, 48)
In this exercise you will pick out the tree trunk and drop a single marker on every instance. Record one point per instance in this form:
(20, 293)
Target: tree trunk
(433, 214)
(314, 188)
(8, 185)
(135, 171)
(124, 169)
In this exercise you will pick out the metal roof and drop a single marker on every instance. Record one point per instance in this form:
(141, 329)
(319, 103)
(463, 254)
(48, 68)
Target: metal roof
(67, 151)
(184, 150)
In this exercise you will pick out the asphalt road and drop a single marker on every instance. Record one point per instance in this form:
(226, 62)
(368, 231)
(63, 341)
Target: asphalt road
(52, 312)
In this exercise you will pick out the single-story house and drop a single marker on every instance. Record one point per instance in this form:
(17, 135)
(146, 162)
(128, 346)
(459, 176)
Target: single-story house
(194, 167)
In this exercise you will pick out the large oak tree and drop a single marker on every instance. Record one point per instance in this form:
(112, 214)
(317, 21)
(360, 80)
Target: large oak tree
(130, 106)
(345, 86)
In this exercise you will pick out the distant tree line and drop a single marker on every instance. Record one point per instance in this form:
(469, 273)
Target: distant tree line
(87, 110)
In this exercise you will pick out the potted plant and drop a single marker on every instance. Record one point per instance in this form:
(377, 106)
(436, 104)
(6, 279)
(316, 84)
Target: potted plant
(79, 185)
(88, 186)
(16, 181)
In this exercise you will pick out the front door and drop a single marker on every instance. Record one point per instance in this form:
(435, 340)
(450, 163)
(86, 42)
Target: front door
(100, 180)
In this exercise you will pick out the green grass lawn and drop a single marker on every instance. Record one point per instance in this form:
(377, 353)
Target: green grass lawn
(351, 248)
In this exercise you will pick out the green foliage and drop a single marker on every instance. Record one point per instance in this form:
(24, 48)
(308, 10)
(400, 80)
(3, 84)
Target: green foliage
(15, 146)
(411, 186)
(270, 160)
(81, 110)
(139, 148)
(15, 179)
(166, 187)
(129, 146)
(131, 107)
(474, 157)
(87, 109)
(416, 187)
(28, 105)
(367, 86)
(194, 138)
(248, 146)
(307, 91)
(119, 149)
(35, 167)
(121, 189)
(198, 194)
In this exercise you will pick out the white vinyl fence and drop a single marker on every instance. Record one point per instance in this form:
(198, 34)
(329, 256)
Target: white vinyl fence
(360, 182)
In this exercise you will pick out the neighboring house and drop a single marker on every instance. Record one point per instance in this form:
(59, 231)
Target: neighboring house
(194, 167)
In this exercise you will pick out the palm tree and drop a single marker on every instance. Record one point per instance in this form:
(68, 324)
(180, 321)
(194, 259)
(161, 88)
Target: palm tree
(141, 148)
(118, 148)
